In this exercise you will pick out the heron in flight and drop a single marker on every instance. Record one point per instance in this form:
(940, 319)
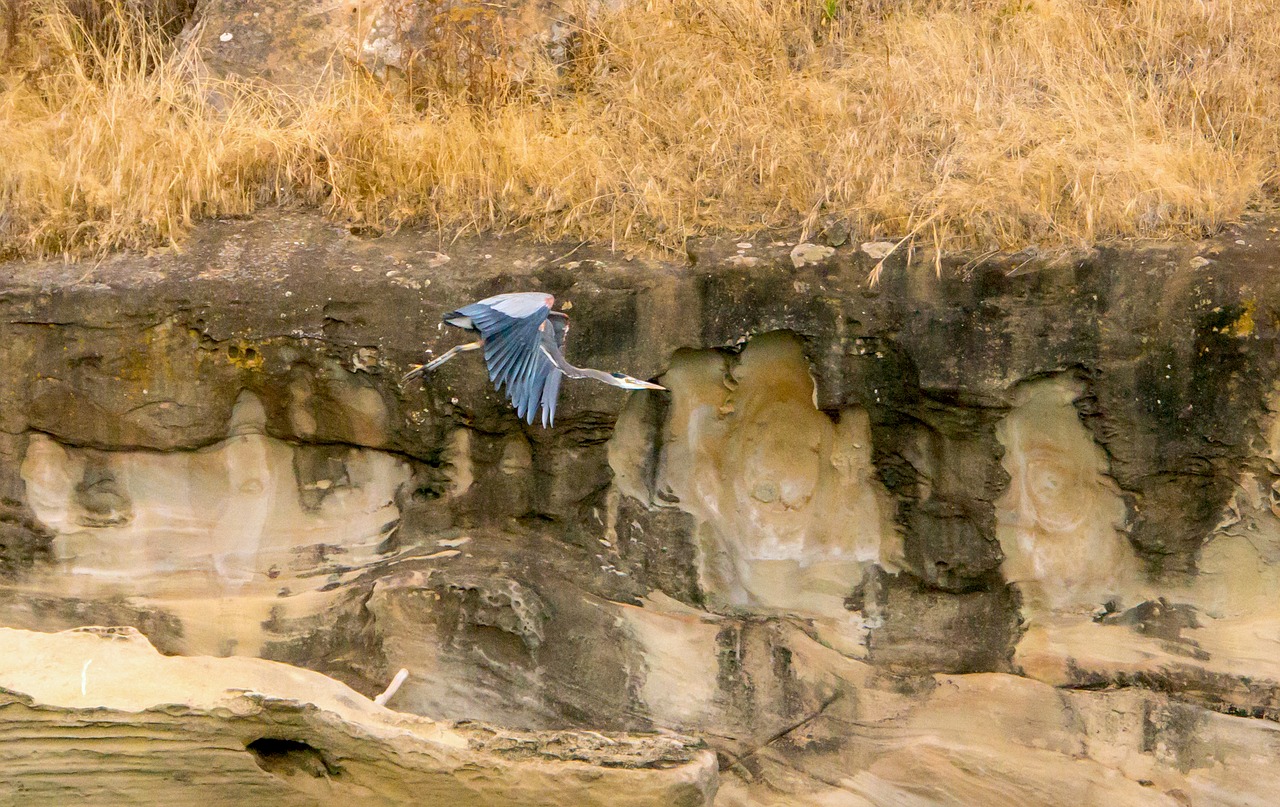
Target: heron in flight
(523, 342)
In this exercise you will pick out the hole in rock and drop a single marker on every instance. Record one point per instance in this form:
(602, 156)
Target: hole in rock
(288, 757)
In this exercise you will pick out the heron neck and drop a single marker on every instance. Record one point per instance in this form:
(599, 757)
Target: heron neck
(598, 375)
(579, 372)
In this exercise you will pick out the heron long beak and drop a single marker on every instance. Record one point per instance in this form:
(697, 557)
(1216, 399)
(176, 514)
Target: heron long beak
(650, 385)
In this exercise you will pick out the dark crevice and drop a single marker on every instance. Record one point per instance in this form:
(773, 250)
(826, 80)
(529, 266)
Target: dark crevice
(727, 763)
(283, 757)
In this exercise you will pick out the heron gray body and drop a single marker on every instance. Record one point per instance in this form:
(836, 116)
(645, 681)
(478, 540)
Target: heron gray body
(523, 342)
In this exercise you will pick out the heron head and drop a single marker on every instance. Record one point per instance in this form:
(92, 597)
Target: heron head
(627, 382)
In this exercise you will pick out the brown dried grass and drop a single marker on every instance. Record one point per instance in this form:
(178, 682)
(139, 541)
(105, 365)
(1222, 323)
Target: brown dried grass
(982, 124)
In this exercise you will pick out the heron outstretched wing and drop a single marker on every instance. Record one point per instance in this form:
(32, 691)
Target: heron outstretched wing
(518, 329)
(542, 387)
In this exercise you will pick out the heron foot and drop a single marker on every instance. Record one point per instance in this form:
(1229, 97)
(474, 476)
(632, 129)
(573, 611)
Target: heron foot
(415, 371)
(423, 370)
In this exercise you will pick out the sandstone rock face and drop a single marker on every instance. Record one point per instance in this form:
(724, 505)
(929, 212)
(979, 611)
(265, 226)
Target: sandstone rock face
(248, 519)
(458, 44)
(245, 731)
(295, 45)
(1060, 521)
(990, 537)
(433, 45)
(788, 505)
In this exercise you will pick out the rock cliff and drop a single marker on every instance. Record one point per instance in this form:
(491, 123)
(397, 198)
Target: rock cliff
(1004, 534)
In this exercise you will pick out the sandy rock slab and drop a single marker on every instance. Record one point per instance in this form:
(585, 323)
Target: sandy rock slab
(98, 716)
(999, 740)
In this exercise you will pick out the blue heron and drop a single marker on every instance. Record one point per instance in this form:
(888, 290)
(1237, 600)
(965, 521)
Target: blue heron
(523, 341)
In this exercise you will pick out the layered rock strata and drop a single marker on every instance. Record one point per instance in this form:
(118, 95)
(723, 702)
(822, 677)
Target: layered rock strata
(861, 518)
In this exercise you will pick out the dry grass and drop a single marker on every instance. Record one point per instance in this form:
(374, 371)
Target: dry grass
(982, 123)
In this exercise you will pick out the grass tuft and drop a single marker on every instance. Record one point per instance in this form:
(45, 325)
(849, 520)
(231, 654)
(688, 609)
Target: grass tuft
(977, 124)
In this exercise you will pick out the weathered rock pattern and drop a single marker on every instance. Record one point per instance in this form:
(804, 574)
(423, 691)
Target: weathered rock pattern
(454, 45)
(243, 731)
(1001, 535)
(297, 45)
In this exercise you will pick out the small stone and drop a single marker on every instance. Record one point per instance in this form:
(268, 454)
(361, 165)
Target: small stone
(834, 234)
(744, 245)
(804, 254)
(227, 37)
(364, 359)
(1199, 262)
(1241, 242)
(765, 492)
(878, 250)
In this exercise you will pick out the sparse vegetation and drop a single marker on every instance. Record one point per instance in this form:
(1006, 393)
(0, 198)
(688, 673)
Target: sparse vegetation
(976, 123)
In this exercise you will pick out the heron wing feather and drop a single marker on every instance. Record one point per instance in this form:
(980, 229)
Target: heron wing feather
(533, 394)
(514, 342)
(506, 355)
(504, 350)
(475, 317)
(519, 386)
(531, 374)
(550, 393)
(521, 304)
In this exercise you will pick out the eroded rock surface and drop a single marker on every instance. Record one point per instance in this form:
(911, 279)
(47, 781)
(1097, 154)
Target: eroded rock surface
(1003, 535)
(98, 716)
(1061, 519)
(786, 498)
(413, 46)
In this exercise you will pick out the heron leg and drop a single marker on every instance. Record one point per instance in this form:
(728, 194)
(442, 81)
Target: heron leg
(420, 370)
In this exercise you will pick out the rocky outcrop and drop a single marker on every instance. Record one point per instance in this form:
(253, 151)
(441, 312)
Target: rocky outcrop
(459, 46)
(97, 716)
(1015, 517)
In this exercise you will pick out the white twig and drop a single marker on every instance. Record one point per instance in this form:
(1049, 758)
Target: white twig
(84, 678)
(392, 688)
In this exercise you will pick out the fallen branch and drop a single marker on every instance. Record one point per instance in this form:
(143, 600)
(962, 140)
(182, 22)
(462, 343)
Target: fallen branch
(778, 735)
(392, 688)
